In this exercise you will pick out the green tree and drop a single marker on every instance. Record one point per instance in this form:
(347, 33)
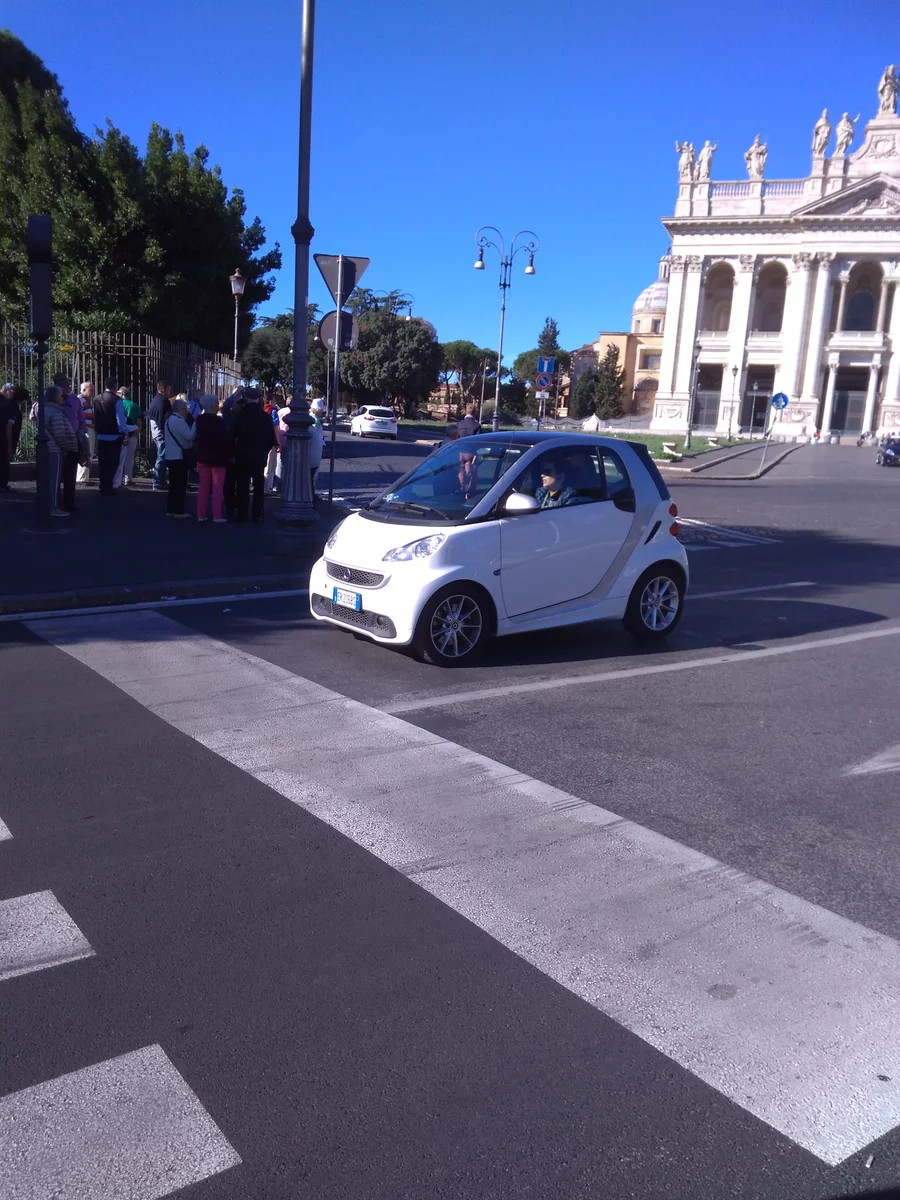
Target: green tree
(268, 357)
(400, 357)
(548, 341)
(583, 400)
(462, 362)
(610, 387)
(144, 243)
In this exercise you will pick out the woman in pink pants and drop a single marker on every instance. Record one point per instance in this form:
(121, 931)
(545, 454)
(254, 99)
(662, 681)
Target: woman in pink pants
(214, 448)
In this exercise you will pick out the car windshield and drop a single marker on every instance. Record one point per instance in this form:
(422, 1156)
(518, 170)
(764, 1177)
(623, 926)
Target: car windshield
(380, 412)
(449, 484)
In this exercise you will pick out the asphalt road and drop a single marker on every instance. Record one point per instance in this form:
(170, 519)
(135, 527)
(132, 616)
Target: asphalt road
(382, 972)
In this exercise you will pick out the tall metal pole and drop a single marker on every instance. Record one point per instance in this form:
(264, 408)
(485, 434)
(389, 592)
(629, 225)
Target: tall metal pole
(339, 302)
(695, 371)
(481, 405)
(45, 501)
(236, 316)
(504, 284)
(297, 511)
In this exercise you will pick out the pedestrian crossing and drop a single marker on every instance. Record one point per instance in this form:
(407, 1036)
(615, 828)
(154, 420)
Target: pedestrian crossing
(704, 535)
(786, 1009)
(129, 1126)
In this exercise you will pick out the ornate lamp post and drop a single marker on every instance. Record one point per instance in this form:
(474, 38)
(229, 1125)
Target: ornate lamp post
(734, 374)
(531, 247)
(695, 371)
(238, 283)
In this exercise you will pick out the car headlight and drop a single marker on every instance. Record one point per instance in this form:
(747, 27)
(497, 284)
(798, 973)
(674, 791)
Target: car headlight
(423, 548)
(334, 533)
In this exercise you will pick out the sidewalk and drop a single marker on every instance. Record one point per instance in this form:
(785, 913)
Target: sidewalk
(120, 549)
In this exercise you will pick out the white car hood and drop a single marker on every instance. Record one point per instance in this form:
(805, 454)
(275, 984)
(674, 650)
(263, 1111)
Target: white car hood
(364, 543)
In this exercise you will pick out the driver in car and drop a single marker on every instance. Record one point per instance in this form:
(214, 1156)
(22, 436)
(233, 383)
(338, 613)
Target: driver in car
(553, 492)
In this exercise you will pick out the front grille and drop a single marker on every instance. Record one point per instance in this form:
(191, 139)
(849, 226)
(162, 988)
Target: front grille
(375, 622)
(352, 575)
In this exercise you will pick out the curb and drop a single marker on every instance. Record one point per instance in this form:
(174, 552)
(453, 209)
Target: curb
(764, 470)
(191, 589)
(737, 452)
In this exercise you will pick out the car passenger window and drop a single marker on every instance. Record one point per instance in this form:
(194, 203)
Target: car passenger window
(616, 476)
(564, 478)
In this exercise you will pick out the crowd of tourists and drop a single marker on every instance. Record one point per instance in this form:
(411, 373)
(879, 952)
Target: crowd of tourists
(229, 452)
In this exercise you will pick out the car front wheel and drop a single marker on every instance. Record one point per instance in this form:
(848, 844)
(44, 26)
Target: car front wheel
(455, 626)
(656, 603)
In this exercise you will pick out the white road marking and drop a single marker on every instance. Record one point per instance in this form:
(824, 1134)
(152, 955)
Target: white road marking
(881, 764)
(452, 699)
(4, 832)
(749, 591)
(726, 535)
(36, 932)
(146, 605)
(129, 1127)
(787, 1009)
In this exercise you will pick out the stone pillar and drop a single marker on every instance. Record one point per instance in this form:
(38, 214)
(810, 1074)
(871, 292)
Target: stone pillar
(690, 318)
(871, 393)
(843, 279)
(882, 303)
(730, 399)
(817, 329)
(793, 328)
(673, 324)
(828, 409)
(892, 386)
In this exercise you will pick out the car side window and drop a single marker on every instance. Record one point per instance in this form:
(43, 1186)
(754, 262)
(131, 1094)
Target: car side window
(615, 474)
(564, 478)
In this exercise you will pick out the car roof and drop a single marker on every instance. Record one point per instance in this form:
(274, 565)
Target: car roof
(535, 437)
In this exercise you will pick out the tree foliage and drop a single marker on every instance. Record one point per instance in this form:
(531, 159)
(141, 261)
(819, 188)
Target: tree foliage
(610, 386)
(394, 357)
(583, 399)
(548, 341)
(140, 242)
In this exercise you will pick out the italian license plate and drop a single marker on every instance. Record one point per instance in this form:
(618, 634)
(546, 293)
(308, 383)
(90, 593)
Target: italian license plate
(345, 599)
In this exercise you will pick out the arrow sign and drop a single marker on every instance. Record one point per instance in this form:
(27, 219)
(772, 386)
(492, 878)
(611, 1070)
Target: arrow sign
(354, 269)
(779, 400)
(327, 330)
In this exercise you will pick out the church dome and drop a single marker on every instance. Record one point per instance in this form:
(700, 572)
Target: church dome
(653, 298)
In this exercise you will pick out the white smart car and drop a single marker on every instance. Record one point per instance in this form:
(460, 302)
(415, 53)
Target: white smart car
(374, 421)
(506, 533)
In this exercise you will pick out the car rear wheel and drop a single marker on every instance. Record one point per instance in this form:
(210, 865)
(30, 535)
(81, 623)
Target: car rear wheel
(656, 603)
(455, 626)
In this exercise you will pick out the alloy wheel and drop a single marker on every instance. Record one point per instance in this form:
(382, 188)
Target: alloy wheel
(456, 626)
(659, 603)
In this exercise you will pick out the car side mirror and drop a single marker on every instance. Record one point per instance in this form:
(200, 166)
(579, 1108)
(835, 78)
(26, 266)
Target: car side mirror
(518, 503)
(624, 500)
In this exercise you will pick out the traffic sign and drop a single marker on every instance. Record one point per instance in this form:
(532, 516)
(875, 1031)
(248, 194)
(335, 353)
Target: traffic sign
(545, 365)
(349, 330)
(354, 269)
(542, 395)
(543, 381)
(779, 400)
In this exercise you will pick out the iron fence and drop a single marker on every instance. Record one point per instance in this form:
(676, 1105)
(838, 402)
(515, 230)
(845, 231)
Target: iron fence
(137, 360)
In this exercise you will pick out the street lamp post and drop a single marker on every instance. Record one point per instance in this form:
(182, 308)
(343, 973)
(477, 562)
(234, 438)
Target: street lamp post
(297, 511)
(695, 371)
(531, 247)
(734, 375)
(238, 283)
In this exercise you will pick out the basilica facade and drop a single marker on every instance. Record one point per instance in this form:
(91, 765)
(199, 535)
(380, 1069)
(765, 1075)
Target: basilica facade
(787, 285)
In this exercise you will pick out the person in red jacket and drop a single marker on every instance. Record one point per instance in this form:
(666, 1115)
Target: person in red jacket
(213, 448)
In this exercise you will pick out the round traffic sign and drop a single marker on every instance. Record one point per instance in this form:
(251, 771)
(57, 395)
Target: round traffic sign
(543, 382)
(779, 400)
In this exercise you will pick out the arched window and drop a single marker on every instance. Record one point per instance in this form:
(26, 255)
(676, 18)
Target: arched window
(771, 290)
(717, 294)
(863, 290)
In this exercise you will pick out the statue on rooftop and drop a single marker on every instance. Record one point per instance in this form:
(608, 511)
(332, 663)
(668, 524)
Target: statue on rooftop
(704, 160)
(844, 134)
(821, 133)
(887, 92)
(686, 161)
(755, 158)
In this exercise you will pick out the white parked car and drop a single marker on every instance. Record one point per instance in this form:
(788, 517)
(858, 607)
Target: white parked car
(374, 421)
(507, 533)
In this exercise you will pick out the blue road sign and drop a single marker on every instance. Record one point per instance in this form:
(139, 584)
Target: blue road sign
(545, 365)
(543, 381)
(779, 400)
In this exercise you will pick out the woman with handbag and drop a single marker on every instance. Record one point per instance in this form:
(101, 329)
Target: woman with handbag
(179, 437)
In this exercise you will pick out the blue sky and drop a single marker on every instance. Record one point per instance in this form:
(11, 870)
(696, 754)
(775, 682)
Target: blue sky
(433, 118)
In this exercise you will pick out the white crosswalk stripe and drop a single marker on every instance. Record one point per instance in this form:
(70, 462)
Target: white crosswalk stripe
(36, 932)
(128, 1127)
(758, 992)
(703, 535)
(4, 832)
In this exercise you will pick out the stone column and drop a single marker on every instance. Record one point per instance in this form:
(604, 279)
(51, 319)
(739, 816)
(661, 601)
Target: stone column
(882, 303)
(738, 330)
(690, 318)
(892, 386)
(793, 328)
(673, 324)
(843, 279)
(828, 409)
(871, 393)
(817, 329)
